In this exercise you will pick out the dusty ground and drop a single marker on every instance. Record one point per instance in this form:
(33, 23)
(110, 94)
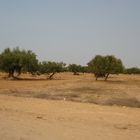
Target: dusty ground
(117, 117)
(123, 90)
(37, 119)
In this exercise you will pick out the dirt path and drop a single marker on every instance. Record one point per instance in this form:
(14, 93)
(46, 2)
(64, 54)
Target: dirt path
(37, 119)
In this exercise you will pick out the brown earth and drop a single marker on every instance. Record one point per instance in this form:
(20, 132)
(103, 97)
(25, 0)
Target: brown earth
(37, 119)
(122, 90)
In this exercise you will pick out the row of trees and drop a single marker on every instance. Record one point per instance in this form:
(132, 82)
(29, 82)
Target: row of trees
(133, 70)
(14, 61)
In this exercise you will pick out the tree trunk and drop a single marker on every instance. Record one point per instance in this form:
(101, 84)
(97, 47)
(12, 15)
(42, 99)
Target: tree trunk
(11, 73)
(75, 73)
(51, 76)
(19, 71)
(106, 76)
(96, 78)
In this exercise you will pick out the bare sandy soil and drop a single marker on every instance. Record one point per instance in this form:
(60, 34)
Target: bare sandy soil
(122, 90)
(37, 119)
(30, 117)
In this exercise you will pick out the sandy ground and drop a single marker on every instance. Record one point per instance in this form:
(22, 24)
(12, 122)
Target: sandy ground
(37, 119)
(24, 116)
(123, 90)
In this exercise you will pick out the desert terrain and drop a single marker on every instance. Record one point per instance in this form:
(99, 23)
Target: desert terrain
(70, 108)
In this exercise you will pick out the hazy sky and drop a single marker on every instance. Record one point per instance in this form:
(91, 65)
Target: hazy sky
(73, 31)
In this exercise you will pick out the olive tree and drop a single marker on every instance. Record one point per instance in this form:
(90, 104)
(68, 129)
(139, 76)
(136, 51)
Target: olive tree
(102, 66)
(76, 69)
(15, 60)
(51, 68)
(133, 70)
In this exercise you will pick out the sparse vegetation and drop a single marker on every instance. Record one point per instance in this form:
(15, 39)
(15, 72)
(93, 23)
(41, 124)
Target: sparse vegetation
(15, 61)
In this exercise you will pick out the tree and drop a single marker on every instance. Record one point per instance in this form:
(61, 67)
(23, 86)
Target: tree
(133, 70)
(77, 68)
(15, 60)
(30, 62)
(74, 68)
(51, 68)
(102, 66)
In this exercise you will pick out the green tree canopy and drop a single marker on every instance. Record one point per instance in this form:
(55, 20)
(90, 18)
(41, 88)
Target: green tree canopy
(50, 68)
(15, 60)
(77, 68)
(74, 68)
(102, 66)
(133, 70)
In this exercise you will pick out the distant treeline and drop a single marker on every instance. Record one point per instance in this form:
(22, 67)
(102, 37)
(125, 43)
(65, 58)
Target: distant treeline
(16, 61)
(133, 70)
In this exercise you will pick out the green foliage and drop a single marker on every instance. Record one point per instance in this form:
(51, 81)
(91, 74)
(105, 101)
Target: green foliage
(76, 69)
(30, 62)
(102, 66)
(85, 69)
(16, 60)
(133, 70)
(113, 65)
(97, 64)
(50, 68)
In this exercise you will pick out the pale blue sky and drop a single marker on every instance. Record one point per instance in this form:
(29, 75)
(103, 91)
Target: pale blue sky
(73, 31)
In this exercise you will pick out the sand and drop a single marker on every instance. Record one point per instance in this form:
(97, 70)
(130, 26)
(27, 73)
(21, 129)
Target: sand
(66, 108)
(38, 119)
(122, 90)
